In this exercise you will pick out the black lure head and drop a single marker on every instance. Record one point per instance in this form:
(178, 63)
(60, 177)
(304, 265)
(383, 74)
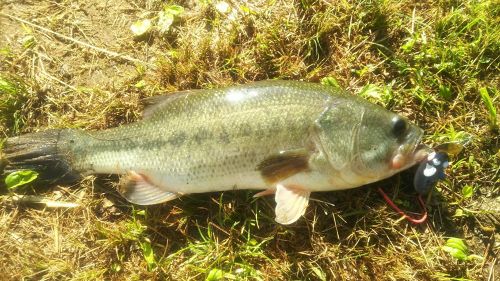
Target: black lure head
(430, 171)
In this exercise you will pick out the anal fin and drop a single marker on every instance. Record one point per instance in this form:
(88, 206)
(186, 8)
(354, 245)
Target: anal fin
(137, 189)
(291, 203)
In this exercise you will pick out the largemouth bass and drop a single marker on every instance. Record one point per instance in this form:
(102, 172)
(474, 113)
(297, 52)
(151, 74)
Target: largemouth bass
(286, 137)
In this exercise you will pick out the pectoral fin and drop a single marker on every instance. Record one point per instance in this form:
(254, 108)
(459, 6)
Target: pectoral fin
(291, 203)
(137, 189)
(283, 165)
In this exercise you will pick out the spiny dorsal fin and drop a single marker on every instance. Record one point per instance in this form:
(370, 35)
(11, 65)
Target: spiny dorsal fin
(283, 165)
(155, 103)
(137, 189)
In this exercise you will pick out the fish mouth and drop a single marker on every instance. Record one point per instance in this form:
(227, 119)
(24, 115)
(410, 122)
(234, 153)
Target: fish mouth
(410, 152)
(421, 151)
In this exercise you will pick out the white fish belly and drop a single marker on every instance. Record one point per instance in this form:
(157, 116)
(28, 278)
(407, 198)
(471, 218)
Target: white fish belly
(335, 180)
(183, 184)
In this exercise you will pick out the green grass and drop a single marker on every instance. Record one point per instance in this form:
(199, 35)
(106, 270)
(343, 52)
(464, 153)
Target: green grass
(13, 93)
(437, 63)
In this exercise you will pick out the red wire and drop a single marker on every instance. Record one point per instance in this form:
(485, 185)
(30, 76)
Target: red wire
(410, 219)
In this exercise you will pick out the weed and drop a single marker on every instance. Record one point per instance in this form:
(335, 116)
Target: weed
(457, 249)
(488, 102)
(13, 95)
(19, 178)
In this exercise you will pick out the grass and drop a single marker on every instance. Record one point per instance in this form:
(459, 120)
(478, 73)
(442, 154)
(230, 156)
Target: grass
(436, 62)
(14, 95)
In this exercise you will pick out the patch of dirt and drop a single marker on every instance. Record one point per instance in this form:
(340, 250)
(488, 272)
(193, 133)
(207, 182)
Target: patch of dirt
(71, 49)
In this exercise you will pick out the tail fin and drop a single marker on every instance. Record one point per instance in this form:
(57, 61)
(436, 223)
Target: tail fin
(38, 152)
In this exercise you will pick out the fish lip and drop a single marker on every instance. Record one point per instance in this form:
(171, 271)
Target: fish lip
(411, 151)
(420, 150)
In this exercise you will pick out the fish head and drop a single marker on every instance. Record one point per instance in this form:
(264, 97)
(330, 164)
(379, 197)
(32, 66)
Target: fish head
(368, 142)
(386, 143)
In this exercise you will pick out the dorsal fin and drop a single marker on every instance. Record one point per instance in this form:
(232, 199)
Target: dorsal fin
(156, 103)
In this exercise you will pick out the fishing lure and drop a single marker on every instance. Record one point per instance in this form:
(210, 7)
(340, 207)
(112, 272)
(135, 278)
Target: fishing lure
(430, 171)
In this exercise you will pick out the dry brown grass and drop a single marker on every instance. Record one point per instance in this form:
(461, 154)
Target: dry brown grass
(348, 235)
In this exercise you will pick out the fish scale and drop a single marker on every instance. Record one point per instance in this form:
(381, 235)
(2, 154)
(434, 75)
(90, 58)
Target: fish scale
(166, 143)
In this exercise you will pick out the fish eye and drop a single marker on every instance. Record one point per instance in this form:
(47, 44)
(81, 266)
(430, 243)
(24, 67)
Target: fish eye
(399, 126)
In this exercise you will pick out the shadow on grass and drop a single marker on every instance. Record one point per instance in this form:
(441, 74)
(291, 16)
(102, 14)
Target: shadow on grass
(227, 230)
(352, 219)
